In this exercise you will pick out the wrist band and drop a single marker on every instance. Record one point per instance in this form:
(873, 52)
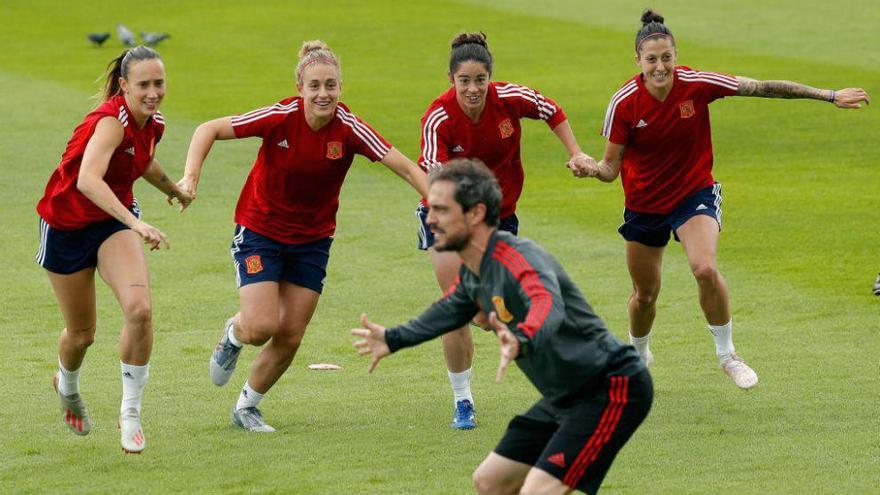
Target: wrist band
(833, 96)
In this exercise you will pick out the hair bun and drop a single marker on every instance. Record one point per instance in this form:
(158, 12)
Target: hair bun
(311, 46)
(649, 16)
(465, 38)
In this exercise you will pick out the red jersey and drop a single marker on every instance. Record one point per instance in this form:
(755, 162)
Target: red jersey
(448, 133)
(292, 193)
(668, 144)
(63, 207)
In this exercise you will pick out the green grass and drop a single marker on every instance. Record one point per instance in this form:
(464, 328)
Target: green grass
(798, 249)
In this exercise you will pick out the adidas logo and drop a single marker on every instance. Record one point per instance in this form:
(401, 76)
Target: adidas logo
(244, 393)
(558, 459)
(127, 374)
(283, 144)
(457, 149)
(641, 123)
(702, 207)
(130, 151)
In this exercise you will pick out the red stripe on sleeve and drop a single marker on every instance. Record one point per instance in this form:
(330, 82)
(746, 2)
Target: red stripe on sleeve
(528, 278)
(452, 288)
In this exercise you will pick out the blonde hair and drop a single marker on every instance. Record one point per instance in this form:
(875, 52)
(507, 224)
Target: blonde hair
(315, 52)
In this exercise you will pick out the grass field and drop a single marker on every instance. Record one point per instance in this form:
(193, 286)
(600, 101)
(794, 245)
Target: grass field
(799, 250)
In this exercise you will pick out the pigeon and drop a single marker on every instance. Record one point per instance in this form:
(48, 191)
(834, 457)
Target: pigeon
(153, 39)
(98, 38)
(125, 35)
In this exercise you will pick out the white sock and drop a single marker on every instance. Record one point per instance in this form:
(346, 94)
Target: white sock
(134, 378)
(68, 381)
(461, 385)
(723, 335)
(641, 343)
(230, 333)
(248, 397)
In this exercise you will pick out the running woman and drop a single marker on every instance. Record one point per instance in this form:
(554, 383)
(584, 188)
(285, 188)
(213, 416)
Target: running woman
(90, 219)
(479, 118)
(659, 141)
(286, 217)
(595, 389)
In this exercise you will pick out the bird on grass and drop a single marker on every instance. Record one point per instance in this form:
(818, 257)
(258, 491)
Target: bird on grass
(153, 39)
(125, 35)
(98, 38)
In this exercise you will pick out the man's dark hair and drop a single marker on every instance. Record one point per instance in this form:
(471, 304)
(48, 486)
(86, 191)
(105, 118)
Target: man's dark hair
(474, 184)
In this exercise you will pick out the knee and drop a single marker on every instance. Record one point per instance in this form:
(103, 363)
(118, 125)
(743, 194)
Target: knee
(289, 339)
(705, 273)
(82, 339)
(486, 484)
(645, 298)
(257, 332)
(482, 484)
(138, 314)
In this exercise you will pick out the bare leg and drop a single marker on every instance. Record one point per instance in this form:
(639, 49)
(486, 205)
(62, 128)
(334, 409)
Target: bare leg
(123, 266)
(297, 305)
(458, 345)
(498, 475)
(257, 322)
(76, 298)
(699, 237)
(541, 482)
(644, 263)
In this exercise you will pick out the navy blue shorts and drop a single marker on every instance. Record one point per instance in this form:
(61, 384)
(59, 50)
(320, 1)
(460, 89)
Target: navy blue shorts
(69, 251)
(426, 238)
(653, 229)
(258, 258)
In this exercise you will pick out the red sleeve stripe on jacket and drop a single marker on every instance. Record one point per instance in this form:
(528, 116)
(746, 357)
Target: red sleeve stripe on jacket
(452, 288)
(545, 109)
(254, 115)
(618, 97)
(617, 400)
(542, 301)
(715, 78)
(367, 135)
(429, 160)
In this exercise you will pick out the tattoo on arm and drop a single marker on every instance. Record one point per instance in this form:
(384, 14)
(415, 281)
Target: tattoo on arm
(116, 214)
(779, 89)
(164, 179)
(138, 285)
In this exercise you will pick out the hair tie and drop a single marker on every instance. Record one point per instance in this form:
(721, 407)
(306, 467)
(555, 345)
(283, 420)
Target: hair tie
(653, 35)
(320, 58)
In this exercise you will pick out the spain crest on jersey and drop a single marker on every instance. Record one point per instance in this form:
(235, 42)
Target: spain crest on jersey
(501, 310)
(254, 264)
(686, 108)
(506, 128)
(334, 150)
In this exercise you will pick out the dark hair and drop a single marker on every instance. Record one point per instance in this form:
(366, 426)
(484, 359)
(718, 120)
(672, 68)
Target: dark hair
(474, 184)
(118, 67)
(652, 27)
(470, 46)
